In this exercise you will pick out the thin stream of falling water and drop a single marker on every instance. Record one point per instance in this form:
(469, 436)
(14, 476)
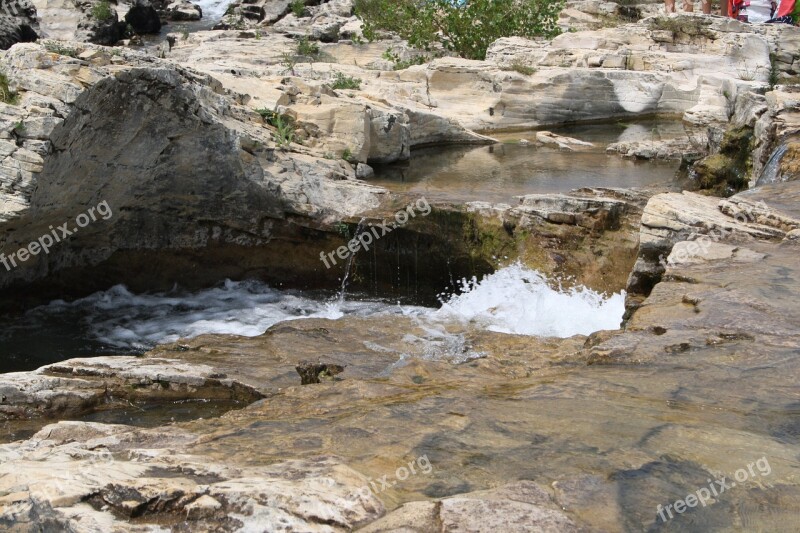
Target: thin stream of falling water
(349, 265)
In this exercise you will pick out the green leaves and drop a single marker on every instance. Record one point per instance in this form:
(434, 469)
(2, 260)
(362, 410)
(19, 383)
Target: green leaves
(466, 27)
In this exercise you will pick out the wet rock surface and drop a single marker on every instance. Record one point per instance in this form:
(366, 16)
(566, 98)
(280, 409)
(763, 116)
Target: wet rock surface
(503, 422)
(425, 426)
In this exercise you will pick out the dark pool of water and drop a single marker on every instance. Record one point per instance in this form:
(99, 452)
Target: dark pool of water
(139, 414)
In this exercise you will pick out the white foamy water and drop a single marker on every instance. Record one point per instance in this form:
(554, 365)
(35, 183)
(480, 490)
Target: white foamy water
(512, 300)
(213, 9)
(519, 300)
(130, 321)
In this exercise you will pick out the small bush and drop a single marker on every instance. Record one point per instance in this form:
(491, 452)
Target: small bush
(289, 61)
(57, 48)
(522, 68)
(284, 126)
(466, 27)
(7, 96)
(774, 72)
(299, 9)
(690, 26)
(307, 48)
(402, 64)
(341, 81)
(102, 11)
(284, 131)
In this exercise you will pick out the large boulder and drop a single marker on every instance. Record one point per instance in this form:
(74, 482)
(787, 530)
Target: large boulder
(165, 148)
(100, 23)
(181, 10)
(18, 23)
(143, 17)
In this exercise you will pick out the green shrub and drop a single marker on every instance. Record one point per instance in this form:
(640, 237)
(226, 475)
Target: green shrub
(102, 11)
(402, 64)
(340, 81)
(284, 126)
(7, 96)
(57, 48)
(284, 130)
(522, 68)
(299, 9)
(466, 27)
(307, 48)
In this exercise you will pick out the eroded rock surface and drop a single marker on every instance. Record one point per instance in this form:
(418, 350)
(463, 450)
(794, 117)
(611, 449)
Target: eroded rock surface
(673, 217)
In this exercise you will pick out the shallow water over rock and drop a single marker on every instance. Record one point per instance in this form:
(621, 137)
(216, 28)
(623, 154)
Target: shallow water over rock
(499, 172)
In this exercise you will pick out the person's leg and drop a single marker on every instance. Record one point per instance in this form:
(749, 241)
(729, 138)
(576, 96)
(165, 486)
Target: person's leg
(707, 7)
(688, 6)
(669, 5)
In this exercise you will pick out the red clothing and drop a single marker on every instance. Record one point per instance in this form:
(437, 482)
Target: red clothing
(786, 8)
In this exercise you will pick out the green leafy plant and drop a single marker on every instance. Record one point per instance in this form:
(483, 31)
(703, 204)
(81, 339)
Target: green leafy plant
(774, 72)
(307, 48)
(342, 229)
(284, 126)
(522, 68)
(341, 81)
(289, 61)
(102, 11)
(299, 9)
(57, 48)
(466, 27)
(7, 96)
(402, 64)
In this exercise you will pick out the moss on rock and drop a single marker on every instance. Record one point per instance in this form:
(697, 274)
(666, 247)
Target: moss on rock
(727, 172)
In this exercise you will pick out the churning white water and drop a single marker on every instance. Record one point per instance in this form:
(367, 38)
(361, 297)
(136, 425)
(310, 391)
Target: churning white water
(519, 300)
(515, 299)
(213, 9)
(130, 321)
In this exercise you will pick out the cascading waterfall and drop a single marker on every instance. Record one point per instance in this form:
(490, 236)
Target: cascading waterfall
(213, 10)
(349, 265)
(771, 172)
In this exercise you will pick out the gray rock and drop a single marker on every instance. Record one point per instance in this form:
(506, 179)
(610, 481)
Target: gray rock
(143, 17)
(100, 23)
(364, 171)
(182, 10)
(18, 23)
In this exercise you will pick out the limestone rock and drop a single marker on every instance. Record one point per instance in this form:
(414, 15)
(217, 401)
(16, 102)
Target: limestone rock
(107, 479)
(673, 217)
(81, 385)
(155, 120)
(516, 507)
(182, 10)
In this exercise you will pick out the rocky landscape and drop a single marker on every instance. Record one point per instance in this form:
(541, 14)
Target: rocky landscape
(240, 141)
